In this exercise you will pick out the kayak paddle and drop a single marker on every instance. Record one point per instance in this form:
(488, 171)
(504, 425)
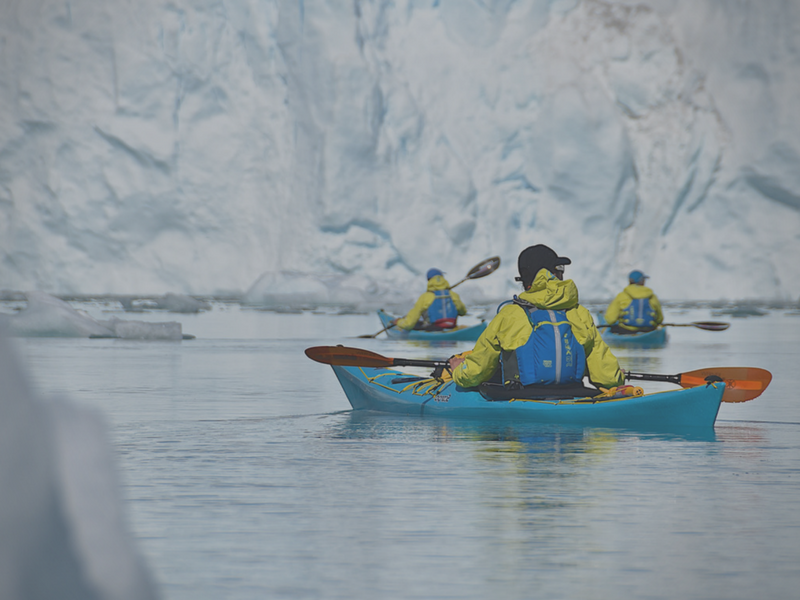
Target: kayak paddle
(741, 383)
(482, 269)
(356, 357)
(389, 326)
(707, 325)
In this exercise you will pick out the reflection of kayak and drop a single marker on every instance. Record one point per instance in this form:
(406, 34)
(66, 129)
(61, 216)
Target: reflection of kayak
(644, 339)
(460, 333)
(387, 390)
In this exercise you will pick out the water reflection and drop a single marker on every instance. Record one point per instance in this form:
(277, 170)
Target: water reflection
(740, 312)
(639, 361)
(503, 435)
(744, 441)
(434, 350)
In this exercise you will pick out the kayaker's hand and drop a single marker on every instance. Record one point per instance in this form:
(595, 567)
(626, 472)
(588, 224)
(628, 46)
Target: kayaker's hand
(393, 321)
(455, 361)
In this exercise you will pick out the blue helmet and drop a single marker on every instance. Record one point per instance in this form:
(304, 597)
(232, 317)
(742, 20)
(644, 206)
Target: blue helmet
(433, 273)
(637, 277)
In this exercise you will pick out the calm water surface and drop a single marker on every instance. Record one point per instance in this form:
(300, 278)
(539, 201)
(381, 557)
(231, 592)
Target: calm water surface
(246, 476)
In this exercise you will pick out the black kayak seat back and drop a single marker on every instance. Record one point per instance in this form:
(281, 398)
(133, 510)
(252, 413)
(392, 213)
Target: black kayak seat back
(497, 392)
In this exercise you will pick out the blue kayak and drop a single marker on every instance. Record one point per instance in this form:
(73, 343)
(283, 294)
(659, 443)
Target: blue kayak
(391, 391)
(657, 338)
(457, 334)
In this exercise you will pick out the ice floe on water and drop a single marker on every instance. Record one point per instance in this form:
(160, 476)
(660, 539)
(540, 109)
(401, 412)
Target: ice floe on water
(177, 303)
(142, 330)
(48, 316)
(64, 532)
(279, 289)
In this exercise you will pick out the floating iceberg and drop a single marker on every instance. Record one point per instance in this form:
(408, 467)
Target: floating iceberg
(47, 316)
(141, 330)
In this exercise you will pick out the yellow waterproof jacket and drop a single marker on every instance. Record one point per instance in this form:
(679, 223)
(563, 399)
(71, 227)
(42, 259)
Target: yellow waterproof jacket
(511, 328)
(624, 299)
(437, 282)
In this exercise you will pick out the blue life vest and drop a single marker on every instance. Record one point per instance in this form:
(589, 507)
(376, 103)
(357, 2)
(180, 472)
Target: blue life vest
(442, 313)
(551, 356)
(638, 314)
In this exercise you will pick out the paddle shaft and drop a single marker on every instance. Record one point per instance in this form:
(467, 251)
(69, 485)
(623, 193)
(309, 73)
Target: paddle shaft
(410, 362)
(705, 325)
(676, 379)
(389, 326)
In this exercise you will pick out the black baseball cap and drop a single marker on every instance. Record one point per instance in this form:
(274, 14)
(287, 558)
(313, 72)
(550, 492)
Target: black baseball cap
(534, 258)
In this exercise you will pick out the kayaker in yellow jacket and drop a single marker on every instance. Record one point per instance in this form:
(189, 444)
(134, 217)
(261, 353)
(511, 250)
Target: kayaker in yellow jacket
(541, 273)
(636, 308)
(438, 308)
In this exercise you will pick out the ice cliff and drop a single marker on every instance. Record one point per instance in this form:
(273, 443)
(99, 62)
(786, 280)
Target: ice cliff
(343, 148)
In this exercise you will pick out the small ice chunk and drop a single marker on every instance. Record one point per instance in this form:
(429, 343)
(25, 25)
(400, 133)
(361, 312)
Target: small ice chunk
(141, 330)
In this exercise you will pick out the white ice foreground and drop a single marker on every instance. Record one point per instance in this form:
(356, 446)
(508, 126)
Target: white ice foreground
(63, 534)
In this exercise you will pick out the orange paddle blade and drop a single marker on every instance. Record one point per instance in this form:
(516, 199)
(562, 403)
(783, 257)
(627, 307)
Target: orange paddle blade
(347, 357)
(741, 383)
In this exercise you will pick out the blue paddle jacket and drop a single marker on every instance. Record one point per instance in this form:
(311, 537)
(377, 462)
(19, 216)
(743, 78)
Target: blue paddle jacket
(511, 328)
(437, 282)
(623, 300)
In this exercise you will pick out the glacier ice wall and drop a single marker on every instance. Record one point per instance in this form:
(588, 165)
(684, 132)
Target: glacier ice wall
(213, 147)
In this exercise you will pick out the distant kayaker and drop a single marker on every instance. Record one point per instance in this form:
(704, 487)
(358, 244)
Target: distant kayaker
(438, 308)
(636, 308)
(542, 337)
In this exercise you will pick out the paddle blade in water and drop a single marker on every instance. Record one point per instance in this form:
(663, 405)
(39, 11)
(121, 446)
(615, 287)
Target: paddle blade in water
(347, 357)
(711, 325)
(741, 383)
(482, 269)
(373, 335)
(707, 325)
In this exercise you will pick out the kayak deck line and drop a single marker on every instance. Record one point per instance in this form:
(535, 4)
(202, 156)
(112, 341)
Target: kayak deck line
(431, 386)
(414, 386)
